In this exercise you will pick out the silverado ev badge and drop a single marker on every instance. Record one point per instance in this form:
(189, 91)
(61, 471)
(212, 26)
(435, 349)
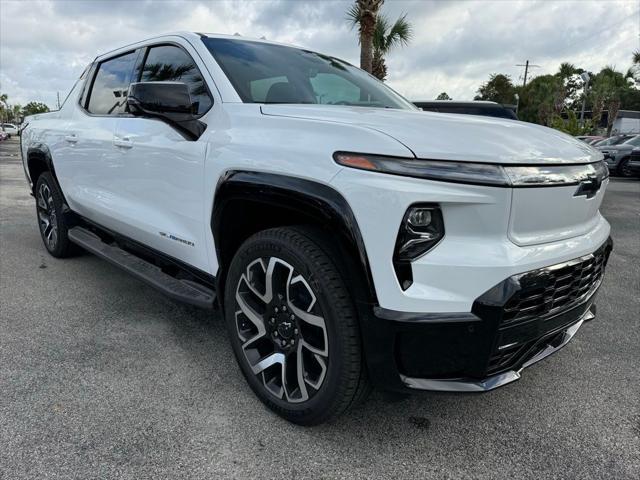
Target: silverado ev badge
(589, 187)
(175, 238)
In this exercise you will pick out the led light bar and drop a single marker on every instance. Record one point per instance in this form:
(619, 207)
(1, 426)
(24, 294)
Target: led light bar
(476, 173)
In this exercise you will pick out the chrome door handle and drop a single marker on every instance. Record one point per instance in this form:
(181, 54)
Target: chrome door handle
(123, 142)
(73, 138)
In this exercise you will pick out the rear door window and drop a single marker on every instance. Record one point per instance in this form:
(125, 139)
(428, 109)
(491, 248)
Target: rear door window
(168, 63)
(109, 91)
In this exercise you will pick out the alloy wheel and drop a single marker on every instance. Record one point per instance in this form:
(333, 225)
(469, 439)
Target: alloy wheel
(282, 330)
(47, 218)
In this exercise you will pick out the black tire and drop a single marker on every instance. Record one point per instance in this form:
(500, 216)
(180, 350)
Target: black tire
(623, 168)
(293, 253)
(49, 208)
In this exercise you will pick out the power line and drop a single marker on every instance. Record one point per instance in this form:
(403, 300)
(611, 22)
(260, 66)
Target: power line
(526, 66)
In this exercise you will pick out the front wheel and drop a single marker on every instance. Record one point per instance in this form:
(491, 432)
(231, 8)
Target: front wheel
(293, 326)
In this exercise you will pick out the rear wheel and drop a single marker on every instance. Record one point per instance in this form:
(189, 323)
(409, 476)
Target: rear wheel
(623, 168)
(51, 220)
(294, 327)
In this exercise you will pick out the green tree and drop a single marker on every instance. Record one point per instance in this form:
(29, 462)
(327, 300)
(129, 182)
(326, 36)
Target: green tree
(4, 106)
(542, 99)
(567, 70)
(15, 113)
(443, 96)
(385, 38)
(571, 124)
(606, 93)
(363, 14)
(554, 100)
(573, 85)
(630, 99)
(635, 67)
(32, 108)
(498, 88)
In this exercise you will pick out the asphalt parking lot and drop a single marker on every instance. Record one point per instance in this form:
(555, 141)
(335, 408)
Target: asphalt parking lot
(103, 377)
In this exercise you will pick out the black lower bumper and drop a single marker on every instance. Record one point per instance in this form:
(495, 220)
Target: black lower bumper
(509, 327)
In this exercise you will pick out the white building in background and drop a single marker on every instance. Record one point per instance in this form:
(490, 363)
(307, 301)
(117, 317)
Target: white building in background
(627, 121)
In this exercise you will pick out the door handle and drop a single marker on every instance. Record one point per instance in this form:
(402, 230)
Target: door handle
(73, 138)
(123, 142)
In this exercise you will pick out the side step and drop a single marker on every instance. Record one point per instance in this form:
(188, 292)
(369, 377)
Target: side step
(182, 290)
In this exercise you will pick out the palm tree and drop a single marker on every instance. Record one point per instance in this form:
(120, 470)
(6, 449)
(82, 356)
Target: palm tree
(16, 113)
(608, 85)
(363, 14)
(566, 70)
(386, 37)
(635, 68)
(4, 106)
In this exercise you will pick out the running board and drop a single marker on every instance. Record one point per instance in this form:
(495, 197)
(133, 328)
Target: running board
(182, 290)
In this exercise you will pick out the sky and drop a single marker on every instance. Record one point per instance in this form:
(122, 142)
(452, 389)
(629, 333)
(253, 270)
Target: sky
(45, 44)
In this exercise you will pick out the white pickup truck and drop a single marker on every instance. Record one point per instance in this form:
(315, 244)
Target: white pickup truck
(348, 238)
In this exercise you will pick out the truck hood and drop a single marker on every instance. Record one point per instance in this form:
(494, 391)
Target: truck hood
(454, 137)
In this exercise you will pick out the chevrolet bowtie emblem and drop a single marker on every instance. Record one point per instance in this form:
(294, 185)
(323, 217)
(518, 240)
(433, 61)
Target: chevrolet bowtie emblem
(588, 187)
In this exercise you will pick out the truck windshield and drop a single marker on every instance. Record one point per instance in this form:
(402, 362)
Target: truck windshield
(268, 73)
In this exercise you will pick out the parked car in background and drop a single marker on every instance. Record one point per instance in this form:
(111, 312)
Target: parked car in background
(10, 129)
(618, 155)
(634, 162)
(590, 139)
(613, 140)
(482, 108)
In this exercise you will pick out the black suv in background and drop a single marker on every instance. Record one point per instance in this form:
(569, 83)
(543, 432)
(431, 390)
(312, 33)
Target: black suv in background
(483, 108)
(634, 162)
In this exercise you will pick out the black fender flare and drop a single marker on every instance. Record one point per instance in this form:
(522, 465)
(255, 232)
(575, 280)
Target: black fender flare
(320, 201)
(39, 152)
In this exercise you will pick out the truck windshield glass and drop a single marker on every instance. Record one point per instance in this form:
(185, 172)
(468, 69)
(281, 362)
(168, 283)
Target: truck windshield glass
(267, 73)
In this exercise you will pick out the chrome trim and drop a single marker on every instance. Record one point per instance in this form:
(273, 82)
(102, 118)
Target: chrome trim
(556, 175)
(495, 381)
(477, 173)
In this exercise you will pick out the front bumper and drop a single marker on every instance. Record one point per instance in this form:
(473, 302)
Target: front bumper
(513, 325)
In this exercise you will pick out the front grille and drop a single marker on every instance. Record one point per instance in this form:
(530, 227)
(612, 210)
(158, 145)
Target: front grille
(503, 359)
(554, 289)
(518, 354)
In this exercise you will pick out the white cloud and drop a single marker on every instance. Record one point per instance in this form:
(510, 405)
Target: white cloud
(45, 44)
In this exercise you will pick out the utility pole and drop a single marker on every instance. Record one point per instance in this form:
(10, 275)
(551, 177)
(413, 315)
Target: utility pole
(585, 78)
(526, 66)
(58, 99)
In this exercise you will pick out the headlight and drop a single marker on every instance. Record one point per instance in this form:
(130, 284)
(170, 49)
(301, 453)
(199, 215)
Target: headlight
(476, 173)
(463, 172)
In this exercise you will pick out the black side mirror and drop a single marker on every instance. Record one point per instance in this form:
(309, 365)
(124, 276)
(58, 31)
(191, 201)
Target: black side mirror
(168, 101)
(162, 99)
